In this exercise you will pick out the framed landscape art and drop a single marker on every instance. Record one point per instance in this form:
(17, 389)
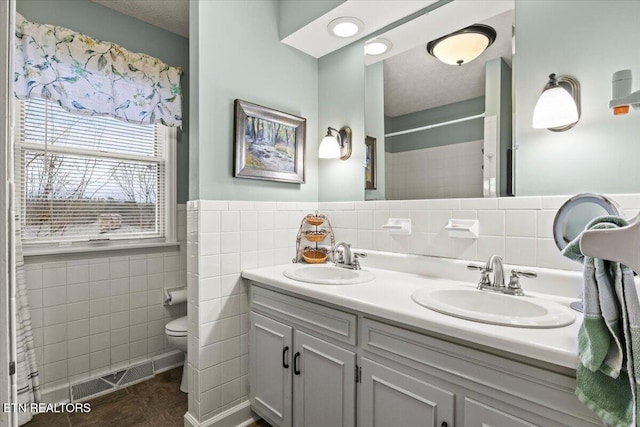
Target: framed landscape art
(269, 144)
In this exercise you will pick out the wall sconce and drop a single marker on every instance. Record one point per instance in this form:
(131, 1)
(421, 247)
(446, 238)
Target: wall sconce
(462, 46)
(336, 147)
(558, 108)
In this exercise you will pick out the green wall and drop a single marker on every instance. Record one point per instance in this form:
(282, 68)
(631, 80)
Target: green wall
(236, 53)
(341, 91)
(103, 23)
(374, 124)
(589, 40)
(471, 130)
(498, 103)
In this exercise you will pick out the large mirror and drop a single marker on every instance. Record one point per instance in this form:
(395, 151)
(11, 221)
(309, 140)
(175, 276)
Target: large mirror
(407, 89)
(442, 130)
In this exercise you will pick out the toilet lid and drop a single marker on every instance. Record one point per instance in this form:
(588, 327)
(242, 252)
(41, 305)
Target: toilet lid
(180, 325)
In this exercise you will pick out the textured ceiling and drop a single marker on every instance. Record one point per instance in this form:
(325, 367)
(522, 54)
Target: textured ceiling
(171, 15)
(415, 80)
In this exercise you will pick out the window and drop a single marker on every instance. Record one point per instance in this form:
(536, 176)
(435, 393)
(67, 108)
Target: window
(87, 180)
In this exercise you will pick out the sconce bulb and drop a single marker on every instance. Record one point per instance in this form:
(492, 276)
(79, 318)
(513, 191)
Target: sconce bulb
(555, 108)
(329, 148)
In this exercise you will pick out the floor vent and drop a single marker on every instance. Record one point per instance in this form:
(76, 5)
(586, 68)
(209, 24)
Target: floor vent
(111, 382)
(137, 374)
(115, 377)
(89, 388)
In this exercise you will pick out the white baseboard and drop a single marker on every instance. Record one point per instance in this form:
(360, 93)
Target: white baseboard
(238, 416)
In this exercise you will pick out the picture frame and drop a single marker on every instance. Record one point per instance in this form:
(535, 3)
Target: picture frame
(268, 144)
(370, 163)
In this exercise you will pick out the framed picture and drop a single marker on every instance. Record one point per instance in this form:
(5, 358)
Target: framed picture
(370, 163)
(269, 144)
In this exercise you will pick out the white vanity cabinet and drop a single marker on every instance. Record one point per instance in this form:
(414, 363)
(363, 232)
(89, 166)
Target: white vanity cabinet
(389, 397)
(309, 365)
(297, 378)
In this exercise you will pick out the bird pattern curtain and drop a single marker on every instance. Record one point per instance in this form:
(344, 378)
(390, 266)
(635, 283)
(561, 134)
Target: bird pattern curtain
(93, 77)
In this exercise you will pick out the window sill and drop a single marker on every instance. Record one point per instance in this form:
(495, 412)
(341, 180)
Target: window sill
(92, 249)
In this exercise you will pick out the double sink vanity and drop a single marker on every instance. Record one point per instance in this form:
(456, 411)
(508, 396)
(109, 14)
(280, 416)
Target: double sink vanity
(421, 346)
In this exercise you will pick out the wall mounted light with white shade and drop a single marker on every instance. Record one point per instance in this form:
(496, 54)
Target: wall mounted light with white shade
(336, 147)
(558, 108)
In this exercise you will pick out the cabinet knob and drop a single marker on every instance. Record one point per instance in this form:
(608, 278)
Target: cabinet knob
(444, 424)
(285, 359)
(296, 363)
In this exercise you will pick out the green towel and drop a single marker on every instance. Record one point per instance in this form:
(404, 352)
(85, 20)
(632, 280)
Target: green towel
(609, 338)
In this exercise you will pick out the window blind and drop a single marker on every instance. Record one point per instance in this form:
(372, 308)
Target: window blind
(88, 178)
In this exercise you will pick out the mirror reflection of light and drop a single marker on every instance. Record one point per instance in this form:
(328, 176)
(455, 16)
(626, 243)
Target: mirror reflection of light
(460, 49)
(377, 47)
(345, 27)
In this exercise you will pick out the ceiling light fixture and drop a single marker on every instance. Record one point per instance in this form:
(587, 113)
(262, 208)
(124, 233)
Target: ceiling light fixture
(345, 26)
(336, 147)
(462, 46)
(377, 46)
(558, 108)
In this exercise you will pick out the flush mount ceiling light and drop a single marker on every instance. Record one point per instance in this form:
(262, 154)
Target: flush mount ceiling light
(462, 46)
(336, 147)
(377, 46)
(558, 108)
(345, 26)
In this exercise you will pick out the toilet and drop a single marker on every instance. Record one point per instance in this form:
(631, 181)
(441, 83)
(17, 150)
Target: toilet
(177, 331)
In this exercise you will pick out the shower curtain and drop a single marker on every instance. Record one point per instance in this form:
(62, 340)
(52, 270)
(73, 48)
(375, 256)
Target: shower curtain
(26, 366)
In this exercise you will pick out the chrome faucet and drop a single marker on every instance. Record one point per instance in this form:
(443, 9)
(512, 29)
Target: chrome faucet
(345, 258)
(494, 265)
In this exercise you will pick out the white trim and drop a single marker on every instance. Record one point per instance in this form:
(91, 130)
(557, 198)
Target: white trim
(170, 177)
(435, 125)
(240, 415)
(108, 246)
(166, 203)
(8, 387)
(84, 152)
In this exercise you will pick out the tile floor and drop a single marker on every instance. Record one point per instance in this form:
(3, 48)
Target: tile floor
(157, 402)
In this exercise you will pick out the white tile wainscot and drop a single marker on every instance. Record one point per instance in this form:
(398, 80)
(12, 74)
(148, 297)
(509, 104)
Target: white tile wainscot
(98, 312)
(224, 238)
(517, 228)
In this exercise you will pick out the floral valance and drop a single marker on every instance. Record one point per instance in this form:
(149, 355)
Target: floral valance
(93, 77)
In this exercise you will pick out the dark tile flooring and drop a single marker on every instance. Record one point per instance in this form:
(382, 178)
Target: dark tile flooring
(157, 402)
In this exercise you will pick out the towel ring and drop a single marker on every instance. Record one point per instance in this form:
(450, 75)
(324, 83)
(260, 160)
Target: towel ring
(577, 212)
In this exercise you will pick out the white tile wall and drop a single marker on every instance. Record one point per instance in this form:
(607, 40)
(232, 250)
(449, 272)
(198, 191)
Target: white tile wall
(93, 315)
(223, 238)
(518, 228)
(454, 169)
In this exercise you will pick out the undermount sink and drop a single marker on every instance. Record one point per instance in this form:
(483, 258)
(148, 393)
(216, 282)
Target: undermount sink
(328, 275)
(495, 308)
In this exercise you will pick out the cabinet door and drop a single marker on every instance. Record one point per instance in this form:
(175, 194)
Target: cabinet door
(391, 398)
(323, 383)
(269, 369)
(478, 414)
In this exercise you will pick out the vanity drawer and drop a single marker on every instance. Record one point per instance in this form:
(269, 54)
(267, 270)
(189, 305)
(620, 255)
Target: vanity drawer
(315, 317)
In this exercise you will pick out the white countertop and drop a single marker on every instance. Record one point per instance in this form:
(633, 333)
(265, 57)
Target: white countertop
(389, 297)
